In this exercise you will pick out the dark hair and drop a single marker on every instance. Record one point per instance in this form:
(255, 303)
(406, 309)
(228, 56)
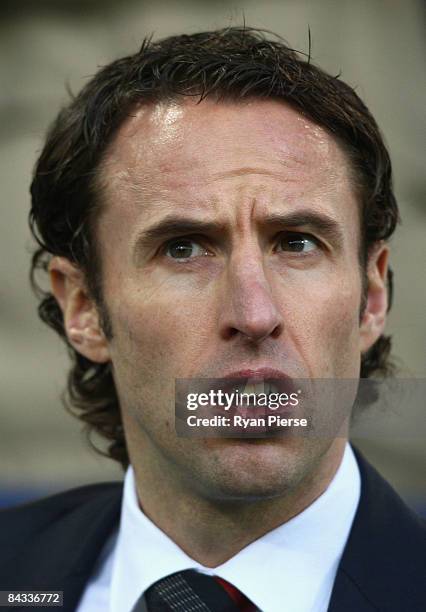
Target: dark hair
(232, 63)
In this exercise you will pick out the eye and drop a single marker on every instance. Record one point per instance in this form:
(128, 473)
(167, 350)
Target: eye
(294, 242)
(183, 249)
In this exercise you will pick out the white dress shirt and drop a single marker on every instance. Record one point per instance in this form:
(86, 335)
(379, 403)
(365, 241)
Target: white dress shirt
(291, 568)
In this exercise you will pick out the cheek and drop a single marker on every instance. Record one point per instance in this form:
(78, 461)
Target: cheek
(327, 328)
(144, 354)
(342, 325)
(156, 335)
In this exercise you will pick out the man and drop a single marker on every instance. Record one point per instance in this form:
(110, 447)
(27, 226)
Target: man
(216, 207)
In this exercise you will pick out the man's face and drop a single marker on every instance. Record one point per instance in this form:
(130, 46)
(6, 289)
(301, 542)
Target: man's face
(229, 241)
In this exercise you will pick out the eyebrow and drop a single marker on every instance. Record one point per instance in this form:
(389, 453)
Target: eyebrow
(325, 225)
(174, 225)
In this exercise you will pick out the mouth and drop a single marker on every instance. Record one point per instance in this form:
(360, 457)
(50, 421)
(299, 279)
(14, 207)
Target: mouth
(261, 381)
(255, 401)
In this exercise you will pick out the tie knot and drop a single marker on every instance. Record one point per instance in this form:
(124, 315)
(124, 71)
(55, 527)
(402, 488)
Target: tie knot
(191, 591)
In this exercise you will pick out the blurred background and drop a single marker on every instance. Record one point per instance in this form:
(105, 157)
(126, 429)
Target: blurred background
(377, 45)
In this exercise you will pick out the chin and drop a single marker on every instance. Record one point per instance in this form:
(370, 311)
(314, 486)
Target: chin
(255, 469)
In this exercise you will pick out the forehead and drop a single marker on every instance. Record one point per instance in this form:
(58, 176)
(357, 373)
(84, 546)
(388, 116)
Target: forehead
(191, 151)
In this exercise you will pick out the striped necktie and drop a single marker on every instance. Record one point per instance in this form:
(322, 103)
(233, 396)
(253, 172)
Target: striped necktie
(191, 591)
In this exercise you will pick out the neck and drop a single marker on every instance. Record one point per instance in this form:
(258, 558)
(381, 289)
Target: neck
(210, 530)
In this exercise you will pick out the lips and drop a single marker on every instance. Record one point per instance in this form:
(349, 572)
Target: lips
(249, 394)
(257, 374)
(252, 393)
(261, 381)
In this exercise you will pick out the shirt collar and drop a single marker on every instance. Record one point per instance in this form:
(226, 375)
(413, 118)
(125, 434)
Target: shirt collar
(274, 569)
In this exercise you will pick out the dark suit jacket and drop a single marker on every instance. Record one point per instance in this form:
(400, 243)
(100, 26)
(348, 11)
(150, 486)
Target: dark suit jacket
(53, 544)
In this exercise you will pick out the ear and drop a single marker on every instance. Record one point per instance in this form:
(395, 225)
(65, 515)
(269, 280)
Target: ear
(374, 316)
(81, 318)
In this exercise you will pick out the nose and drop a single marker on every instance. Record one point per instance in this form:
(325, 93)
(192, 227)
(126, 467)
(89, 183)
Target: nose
(249, 308)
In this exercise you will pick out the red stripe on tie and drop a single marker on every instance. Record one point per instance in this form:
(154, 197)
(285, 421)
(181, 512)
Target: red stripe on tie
(244, 604)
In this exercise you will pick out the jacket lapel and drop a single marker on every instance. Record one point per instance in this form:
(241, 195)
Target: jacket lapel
(381, 567)
(347, 597)
(87, 544)
(64, 551)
